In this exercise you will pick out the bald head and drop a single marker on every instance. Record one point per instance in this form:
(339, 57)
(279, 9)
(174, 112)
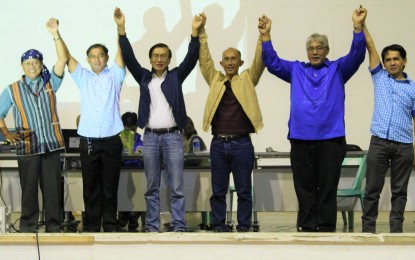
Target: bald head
(231, 50)
(231, 61)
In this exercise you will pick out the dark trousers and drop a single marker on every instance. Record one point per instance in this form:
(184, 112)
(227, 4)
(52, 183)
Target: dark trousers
(236, 157)
(316, 167)
(101, 166)
(42, 170)
(382, 154)
(130, 218)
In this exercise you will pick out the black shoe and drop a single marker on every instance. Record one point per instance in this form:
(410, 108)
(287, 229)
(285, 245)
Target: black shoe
(325, 229)
(365, 230)
(243, 229)
(306, 229)
(221, 229)
(114, 230)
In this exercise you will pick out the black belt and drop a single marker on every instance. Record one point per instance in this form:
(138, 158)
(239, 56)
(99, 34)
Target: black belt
(160, 131)
(229, 138)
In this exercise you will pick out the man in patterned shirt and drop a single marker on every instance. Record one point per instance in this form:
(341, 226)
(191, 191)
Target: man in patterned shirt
(392, 136)
(38, 136)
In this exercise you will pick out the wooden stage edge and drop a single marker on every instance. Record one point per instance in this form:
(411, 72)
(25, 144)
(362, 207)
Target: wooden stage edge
(209, 238)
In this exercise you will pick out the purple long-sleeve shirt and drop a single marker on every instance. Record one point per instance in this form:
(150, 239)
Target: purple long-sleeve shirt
(317, 94)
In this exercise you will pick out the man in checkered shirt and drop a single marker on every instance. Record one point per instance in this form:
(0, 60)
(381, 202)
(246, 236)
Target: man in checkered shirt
(392, 134)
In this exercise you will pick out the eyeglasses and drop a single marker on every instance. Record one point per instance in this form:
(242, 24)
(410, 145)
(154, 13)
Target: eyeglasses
(162, 57)
(34, 63)
(230, 59)
(318, 48)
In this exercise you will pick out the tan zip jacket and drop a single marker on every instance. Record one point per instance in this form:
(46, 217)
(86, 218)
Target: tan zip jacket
(243, 85)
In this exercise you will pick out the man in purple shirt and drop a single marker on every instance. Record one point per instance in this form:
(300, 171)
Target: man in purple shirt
(316, 124)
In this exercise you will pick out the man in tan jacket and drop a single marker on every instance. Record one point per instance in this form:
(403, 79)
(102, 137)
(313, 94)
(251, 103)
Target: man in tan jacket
(232, 109)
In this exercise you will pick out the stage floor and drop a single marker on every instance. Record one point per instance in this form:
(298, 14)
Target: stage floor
(277, 237)
(280, 222)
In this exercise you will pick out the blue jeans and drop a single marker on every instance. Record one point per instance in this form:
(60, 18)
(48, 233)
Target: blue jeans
(164, 150)
(237, 157)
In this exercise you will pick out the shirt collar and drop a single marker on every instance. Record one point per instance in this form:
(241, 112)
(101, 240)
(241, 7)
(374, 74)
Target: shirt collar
(406, 80)
(105, 70)
(162, 76)
(29, 80)
(325, 62)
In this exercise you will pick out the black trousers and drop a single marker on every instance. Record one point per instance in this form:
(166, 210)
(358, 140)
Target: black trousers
(130, 218)
(382, 154)
(316, 167)
(101, 166)
(42, 170)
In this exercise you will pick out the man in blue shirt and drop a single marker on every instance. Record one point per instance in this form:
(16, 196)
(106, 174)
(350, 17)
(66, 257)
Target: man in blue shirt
(316, 124)
(392, 134)
(38, 136)
(99, 128)
(162, 113)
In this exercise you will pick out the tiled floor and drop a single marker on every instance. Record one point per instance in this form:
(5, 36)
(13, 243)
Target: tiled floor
(269, 222)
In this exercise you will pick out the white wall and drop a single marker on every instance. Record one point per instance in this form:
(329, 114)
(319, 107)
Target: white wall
(230, 23)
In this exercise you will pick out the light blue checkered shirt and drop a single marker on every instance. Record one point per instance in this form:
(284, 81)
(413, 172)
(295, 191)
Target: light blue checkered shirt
(100, 96)
(394, 106)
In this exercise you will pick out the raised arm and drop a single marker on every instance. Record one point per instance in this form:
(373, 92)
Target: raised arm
(119, 19)
(257, 66)
(61, 50)
(374, 58)
(351, 62)
(125, 48)
(275, 65)
(72, 62)
(198, 23)
(192, 56)
(264, 28)
(206, 64)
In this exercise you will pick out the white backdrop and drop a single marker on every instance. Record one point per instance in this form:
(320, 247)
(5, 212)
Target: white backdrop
(230, 23)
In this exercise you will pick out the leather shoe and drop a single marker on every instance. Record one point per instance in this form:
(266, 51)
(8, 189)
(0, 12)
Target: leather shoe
(242, 229)
(221, 228)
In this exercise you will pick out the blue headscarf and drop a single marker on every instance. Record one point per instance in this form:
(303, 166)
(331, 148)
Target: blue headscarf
(35, 54)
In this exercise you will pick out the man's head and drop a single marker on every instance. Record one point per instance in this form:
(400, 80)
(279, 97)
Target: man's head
(231, 62)
(317, 47)
(97, 57)
(32, 63)
(129, 120)
(160, 56)
(394, 59)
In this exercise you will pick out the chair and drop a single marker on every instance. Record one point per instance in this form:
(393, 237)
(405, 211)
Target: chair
(354, 192)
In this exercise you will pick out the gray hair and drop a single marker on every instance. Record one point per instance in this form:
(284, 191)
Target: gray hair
(321, 38)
